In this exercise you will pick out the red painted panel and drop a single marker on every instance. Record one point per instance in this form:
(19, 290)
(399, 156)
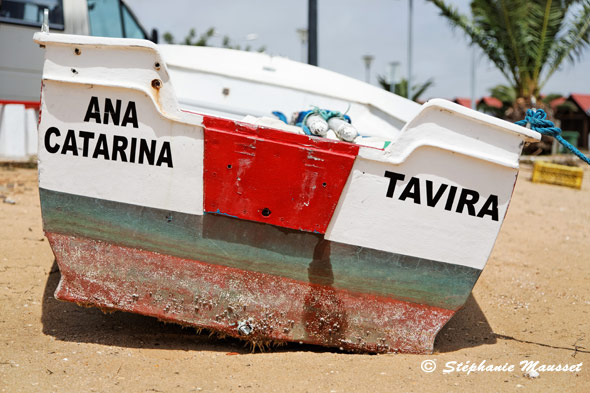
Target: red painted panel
(272, 176)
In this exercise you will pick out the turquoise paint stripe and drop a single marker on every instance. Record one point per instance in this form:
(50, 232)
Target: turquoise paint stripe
(227, 241)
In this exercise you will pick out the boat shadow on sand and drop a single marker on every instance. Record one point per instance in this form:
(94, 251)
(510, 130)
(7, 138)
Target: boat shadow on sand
(69, 322)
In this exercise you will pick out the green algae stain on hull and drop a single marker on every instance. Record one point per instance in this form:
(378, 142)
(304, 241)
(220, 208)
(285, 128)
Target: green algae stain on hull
(258, 247)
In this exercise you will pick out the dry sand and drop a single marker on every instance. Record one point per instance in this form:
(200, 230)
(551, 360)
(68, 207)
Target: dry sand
(532, 302)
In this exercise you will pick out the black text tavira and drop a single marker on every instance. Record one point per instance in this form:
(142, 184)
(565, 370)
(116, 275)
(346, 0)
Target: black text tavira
(106, 146)
(466, 201)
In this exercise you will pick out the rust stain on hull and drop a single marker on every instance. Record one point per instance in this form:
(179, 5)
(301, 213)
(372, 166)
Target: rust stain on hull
(245, 304)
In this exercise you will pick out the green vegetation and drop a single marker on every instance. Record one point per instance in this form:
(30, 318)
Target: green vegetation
(527, 40)
(401, 88)
(204, 40)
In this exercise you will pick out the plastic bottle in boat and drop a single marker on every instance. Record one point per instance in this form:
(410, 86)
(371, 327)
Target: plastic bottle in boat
(343, 129)
(317, 125)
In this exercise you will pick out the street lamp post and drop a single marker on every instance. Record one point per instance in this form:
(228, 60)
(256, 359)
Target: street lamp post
(312, 31)
(249, 38)
(368, 59)
(473, 60)
(410, 11)
(393, 66)
(246, 39)
(303, 37)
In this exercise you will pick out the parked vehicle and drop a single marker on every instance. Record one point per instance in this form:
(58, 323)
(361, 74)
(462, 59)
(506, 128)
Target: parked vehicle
(21, 63)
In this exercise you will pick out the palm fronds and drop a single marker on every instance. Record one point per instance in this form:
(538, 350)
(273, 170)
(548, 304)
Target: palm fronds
(523, 38)
(401, 88)
(572, 42)
(477, 35)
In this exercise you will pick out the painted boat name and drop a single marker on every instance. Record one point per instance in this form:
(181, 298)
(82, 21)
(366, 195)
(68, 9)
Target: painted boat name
(116, 147)
(467, 198)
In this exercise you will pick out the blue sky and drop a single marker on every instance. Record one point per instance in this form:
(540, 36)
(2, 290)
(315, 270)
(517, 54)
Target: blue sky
(349, 29)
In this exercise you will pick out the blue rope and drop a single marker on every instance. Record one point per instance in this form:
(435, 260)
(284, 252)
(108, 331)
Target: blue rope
(281, 116)
(538, 122)
(300, 121)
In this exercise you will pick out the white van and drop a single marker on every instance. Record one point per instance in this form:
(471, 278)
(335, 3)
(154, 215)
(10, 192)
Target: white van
(21, 61)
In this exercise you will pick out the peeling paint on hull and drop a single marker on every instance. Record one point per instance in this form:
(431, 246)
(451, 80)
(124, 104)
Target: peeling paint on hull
(194, 293)
(262, 248)
(216, 271)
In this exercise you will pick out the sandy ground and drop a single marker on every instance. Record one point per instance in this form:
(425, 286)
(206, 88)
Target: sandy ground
(532, 302)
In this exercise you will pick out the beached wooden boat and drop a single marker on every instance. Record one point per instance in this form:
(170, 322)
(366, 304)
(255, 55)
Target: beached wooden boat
(256, 231)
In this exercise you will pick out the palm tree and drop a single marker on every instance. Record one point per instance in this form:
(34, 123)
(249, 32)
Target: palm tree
(527, 40)
(401, 88)
(506, 95)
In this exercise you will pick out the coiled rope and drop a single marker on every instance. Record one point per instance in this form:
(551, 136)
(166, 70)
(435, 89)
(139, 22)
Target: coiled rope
(537, 120)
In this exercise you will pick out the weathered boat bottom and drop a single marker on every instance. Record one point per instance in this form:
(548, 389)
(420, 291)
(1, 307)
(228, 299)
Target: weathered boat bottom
(257, 247)
(240, 303)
